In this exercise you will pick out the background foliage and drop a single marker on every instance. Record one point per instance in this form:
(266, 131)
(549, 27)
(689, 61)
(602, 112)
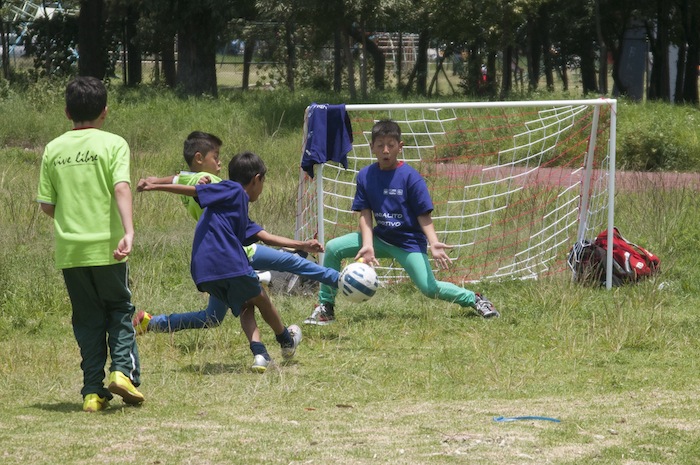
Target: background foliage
(401, 379)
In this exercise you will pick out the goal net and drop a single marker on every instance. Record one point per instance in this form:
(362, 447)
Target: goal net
(514, 184)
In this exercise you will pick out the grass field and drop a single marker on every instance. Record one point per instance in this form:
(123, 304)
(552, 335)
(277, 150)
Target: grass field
(400, 379)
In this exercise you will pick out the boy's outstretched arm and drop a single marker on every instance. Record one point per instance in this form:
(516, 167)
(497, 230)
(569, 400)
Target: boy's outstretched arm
(145, 185)
(122, 194)
(437, 248)
(155, 180)
(310, 246)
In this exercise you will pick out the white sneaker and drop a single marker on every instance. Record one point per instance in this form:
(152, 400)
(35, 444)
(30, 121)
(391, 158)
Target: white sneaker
(295, 332)
(484, 307)
(260, 364)
(323, 314)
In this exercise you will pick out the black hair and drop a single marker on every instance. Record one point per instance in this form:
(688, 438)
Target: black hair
(244, 166)
(86, 98)
(386, 127)
(198, 141)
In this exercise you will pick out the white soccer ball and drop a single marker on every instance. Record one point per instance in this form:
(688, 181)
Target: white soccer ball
(358, 282)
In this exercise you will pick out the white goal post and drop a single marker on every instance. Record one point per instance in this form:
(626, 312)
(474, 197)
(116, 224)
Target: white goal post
(514, 184)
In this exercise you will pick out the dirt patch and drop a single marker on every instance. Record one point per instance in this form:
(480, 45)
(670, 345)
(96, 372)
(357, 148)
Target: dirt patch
(629, 181)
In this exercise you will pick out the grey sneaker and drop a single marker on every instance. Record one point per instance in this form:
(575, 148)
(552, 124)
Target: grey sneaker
(260, 364)
(484, 307)
(322, 315)
(295, 332)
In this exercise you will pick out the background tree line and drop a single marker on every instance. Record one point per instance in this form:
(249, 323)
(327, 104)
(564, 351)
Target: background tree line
(544, 35)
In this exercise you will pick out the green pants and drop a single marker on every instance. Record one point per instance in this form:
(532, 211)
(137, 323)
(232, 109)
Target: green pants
(102, 313)
(416, 265)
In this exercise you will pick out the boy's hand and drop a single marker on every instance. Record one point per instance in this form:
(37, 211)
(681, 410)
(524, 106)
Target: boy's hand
(367, 256)
(204, 180)
(144, 185)
(123, 248)
(312, 246)
(437, 250)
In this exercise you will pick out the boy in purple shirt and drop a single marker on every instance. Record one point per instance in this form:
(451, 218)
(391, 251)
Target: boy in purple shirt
(394, 196)
(219, 264)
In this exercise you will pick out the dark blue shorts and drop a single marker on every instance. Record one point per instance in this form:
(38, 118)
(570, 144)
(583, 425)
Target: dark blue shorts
(234, 291)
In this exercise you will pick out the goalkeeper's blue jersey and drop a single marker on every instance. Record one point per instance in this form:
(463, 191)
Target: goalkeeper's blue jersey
(396, 197)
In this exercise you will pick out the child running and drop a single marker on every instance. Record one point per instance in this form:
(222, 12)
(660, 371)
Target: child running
(220, 265)
(395, 196)
(84, 185)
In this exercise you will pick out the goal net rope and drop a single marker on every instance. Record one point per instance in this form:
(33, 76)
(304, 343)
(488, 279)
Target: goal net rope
(514, 184)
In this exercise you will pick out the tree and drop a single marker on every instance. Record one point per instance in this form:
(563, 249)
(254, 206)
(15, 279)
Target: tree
(156, 35)
(91, 39)
(615, 17)
(198, 24)
(689, 51)
(658, 31)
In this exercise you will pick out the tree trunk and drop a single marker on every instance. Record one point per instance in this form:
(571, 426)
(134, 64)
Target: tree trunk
(93, 56)
(507, 79)
(350, 63)
(168, 57)
(603, 53)
(687, 82)
(548, 50)
(659, 86)
(196, 48)
(291, 53)
(133, 52)
(5, 45)
(337, 61)
(533, 52)
(422, 63)
(248, 50)
(588, 77)
(375, 52)
(692, 66)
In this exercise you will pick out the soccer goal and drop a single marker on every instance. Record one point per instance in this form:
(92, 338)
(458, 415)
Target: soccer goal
(514, 184)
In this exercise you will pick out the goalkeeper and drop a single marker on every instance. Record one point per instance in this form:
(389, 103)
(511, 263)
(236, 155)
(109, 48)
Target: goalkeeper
(394, 195)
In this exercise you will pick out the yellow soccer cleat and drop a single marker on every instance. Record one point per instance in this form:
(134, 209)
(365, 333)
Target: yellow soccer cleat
(121, 385)
(94, 403)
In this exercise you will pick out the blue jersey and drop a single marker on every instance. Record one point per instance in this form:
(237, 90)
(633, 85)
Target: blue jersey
(252, 229)
(396, 198)
(217, 251)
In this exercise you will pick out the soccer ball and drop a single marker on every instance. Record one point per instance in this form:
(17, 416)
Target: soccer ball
(358, 282)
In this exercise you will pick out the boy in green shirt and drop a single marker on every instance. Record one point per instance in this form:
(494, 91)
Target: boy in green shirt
(84, 185)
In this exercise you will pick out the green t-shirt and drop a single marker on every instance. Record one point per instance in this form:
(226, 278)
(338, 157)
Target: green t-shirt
(79, 170)
(190, 178)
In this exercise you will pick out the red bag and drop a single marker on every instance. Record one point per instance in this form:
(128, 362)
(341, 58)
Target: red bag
(630, 261)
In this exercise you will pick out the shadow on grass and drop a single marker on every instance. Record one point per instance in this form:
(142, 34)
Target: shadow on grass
(216, 368)
(115, 406)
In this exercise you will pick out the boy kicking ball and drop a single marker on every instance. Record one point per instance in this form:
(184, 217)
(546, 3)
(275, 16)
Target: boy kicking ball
(219, 263)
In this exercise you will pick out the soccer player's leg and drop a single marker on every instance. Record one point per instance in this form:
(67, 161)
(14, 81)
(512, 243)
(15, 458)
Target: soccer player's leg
(268, 258)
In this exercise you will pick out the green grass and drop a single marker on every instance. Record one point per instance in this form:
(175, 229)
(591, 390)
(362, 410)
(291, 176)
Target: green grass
(400, 379)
